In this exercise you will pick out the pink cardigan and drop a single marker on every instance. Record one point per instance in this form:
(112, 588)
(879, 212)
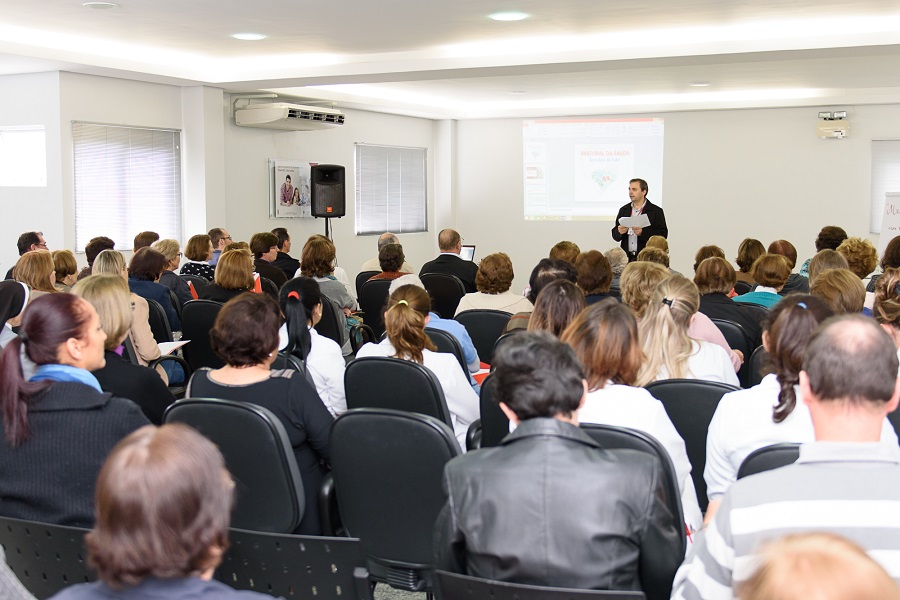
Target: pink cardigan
(703, 329)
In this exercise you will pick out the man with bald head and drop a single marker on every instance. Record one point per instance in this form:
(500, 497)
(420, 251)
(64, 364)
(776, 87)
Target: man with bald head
(383, 240)
(846, 482)
(448, 261)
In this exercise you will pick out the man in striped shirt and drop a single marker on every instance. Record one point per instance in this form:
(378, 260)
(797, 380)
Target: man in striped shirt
(846, 482)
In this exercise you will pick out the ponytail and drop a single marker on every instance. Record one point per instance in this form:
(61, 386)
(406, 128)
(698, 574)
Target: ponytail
(298, 298)
(15, 392)
(404, 322)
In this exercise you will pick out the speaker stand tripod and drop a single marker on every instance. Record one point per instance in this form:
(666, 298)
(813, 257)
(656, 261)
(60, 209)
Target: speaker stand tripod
(328, 228)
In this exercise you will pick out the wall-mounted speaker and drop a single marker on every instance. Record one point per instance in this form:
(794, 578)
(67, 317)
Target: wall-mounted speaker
(327, 191)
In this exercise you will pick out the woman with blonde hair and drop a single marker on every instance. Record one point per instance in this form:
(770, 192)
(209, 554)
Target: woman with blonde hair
(66, 268)
(824, 260)
(35, 269)
(670, 352)
(404, 321)
(234, 276)
(605, 338)
(169, 278)
(886, 309)
(841, 289)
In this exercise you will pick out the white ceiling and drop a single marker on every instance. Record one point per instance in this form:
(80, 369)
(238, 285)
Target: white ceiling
(448, 60)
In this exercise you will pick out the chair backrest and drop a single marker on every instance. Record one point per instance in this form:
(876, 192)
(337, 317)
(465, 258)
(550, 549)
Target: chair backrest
(446, 342)
(758, 361)
(268, 489)
(129, 353)
(613, 438)
(268, 287)
(396, 384)
(485, 327)
(452, 586)
(197, 281)
(738, 339)
(199, 317)
(690, 404)
(742, 287)
(372, 300)
(159, 322)
(768, 458)
(361, 278)
(283, 565)
(330, 325)
(387, 467)
(446, 291)
(502, 340)
(46, 558)
(494, 423)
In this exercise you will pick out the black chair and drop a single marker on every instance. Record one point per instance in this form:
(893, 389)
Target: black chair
(485, 327)
(452, 586)
(396, 384)
(372, 299)
(758, 361)
(738, 339)
(613, 438)
(159, 322)
(501, 340)
(768, 458)
(387, 468)
(494, 423)
(690, 404)
(198, 282)
(361, 278)
(330, 325)
(46, 558)
(446, 342)
(199, 317)
(176, 303)
(446, 291)
(268, 287)
(742, 287)
(284, 566)
(268, 489)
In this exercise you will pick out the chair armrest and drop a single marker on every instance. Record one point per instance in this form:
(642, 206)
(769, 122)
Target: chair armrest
(366, 334)
(184, 365)
(473, 436)
(328, 508)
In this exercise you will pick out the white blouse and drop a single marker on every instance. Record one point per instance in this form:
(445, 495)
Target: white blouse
(707, 362)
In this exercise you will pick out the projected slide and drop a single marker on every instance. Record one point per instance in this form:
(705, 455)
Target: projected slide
(578, 169)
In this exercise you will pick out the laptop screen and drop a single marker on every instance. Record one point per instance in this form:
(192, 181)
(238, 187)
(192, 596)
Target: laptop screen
(467, 253)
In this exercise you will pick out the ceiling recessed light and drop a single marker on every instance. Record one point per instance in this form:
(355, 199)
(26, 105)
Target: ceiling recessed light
(248, 37)
(517, 93)
(100, 5)
(511, 15)
(700, 84)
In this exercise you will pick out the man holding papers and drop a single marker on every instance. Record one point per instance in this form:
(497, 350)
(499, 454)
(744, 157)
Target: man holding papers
(638, 221)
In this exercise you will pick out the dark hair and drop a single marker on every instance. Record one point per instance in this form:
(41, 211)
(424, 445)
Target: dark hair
(830, 238)
(299, 298)
(288, 177)
(495, 274)
(147, 264)
(47, 322)
(785, 249)
(27, 240)
(644, 187)
(317, 258)
(197, 247)
(283, 236)
(404, 322)
(842, 349)
(96, 246)
(565, 250)
(749, 250)
(605, 338)
(789, 327)
(891, 256)
(557, 305)
(707, 252)
(536, 375)
(594, 273)
(246, 330)
(163, 505)
(144, 239)
(390, 258)
(549, 270)
(651, 254)
(261, 243)
(715, 275)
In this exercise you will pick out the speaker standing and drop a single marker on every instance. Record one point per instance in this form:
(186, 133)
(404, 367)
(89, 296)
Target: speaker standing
(634, 239)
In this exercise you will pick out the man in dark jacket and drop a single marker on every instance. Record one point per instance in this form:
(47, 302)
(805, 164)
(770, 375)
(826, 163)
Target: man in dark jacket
(448, 261)
(549, 506)
(634, 239)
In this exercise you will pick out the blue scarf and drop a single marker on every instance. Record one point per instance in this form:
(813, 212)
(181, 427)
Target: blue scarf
(65, 373)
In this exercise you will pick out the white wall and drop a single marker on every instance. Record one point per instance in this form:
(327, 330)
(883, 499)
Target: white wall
(728, 175)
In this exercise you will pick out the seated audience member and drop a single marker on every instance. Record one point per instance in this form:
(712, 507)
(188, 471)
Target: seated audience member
(451, 326)
(317, 262)
(715, 279)
(849, 384)
(237, 246)
(605, 338)
(707, 252)
(284, 260)
(842, 290)
(670, 352)
(771, 272)
(234, 276)
(220, 239)
(404, 322)
(796, 283)
(654, 255)
(13, 298)
(824, 566)
(92, 250)
(890, 260)
(169, 278)
(390, 259)
(829, 238)
(565, 250)
(658, 241)
(164, 501)
(545, 272)
(264, 247)
(58, 425)
(30, 241)
(144, 239)
(35, 269)
(860, 254)
(144, 271)
(245, 336)
(337, 272)
(824, 260)
(383, 240)
(749, 250)
(109, 296)
(198, 251)
(66, 268)
(493, 280)
(449, 262)
(549, 506)
(618, 260)
(301, 302)
(594, 275)
(557, 305)
(886, 308)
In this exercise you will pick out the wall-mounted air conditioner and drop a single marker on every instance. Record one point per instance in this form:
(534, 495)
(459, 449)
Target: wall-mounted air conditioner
(290, 117)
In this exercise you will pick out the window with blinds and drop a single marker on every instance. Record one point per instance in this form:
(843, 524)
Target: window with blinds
(390, 189)
(127, 180)
(885, 177)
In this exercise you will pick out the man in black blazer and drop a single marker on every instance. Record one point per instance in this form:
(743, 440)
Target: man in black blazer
(449, 262)
(634, 242)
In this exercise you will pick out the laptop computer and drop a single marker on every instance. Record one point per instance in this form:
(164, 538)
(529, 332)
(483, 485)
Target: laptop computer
(467, 252)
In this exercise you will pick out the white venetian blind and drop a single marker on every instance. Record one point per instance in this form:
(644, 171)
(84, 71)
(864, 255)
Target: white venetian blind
(885, 177)
(390, 189)
(127, 180)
